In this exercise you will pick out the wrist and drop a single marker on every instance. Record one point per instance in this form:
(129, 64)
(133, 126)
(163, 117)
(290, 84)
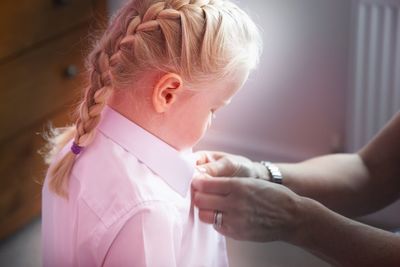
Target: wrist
(304, 227)
(273, 171)
(261, 172)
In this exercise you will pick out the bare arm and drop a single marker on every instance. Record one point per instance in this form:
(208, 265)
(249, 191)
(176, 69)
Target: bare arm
(344, 242)
(352, 184)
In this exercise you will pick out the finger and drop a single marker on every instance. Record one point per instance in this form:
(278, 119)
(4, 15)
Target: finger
(209, 202)
(219, 186)
(207, 216)
(218, 168)
(201, 175)
(204, 157)
(225, 228)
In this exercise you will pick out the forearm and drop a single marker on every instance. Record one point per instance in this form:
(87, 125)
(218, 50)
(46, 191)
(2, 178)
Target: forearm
(352, 184)
(342, 182)
(343, 241)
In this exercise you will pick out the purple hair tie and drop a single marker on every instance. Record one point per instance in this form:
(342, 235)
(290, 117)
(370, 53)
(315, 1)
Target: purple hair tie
(76, 149)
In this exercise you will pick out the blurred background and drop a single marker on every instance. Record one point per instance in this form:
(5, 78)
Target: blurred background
(328, 80)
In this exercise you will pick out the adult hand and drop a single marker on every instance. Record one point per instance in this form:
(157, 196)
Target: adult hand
(220, 164)
(253, 209)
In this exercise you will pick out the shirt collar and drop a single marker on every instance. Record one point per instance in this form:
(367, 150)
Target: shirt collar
(176, 168)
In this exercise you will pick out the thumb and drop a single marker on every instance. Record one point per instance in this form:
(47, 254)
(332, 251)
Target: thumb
(217, 168)
(202, 157)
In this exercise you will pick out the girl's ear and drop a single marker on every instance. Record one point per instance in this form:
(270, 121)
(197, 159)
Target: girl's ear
(166, 91)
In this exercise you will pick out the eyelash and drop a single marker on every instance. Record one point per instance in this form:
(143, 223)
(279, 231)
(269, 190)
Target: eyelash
(213, 113)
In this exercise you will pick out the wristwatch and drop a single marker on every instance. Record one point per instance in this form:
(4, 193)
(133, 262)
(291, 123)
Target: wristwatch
(274, 172)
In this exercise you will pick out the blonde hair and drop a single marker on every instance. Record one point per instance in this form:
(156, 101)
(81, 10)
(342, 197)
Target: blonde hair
(199, 39)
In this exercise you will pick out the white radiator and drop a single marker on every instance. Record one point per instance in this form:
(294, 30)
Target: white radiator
(375, 70)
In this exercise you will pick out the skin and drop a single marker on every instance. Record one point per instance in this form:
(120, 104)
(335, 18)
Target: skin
(176, 113)
(312, 207)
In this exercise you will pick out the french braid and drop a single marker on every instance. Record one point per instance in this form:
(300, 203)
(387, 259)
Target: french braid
(190, 37)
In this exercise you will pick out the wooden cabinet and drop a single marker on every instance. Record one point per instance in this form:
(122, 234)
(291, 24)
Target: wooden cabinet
(42, 49)
(26, 23)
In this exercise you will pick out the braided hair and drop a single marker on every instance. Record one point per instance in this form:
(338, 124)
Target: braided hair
(199, 39)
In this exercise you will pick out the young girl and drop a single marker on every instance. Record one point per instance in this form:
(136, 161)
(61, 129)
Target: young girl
(117, 192)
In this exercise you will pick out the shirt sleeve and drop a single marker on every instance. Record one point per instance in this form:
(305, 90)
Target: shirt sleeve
(152, 237)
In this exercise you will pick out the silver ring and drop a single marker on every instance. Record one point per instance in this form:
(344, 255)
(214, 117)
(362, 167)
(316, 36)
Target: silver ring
(217, 219)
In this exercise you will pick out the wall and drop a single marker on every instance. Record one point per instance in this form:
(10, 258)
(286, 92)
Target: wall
(293, 106)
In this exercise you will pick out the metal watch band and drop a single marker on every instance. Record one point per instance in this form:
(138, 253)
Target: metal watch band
(276, 175)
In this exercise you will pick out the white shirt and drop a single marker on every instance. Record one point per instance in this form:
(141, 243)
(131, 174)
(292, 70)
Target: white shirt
(129, 205)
